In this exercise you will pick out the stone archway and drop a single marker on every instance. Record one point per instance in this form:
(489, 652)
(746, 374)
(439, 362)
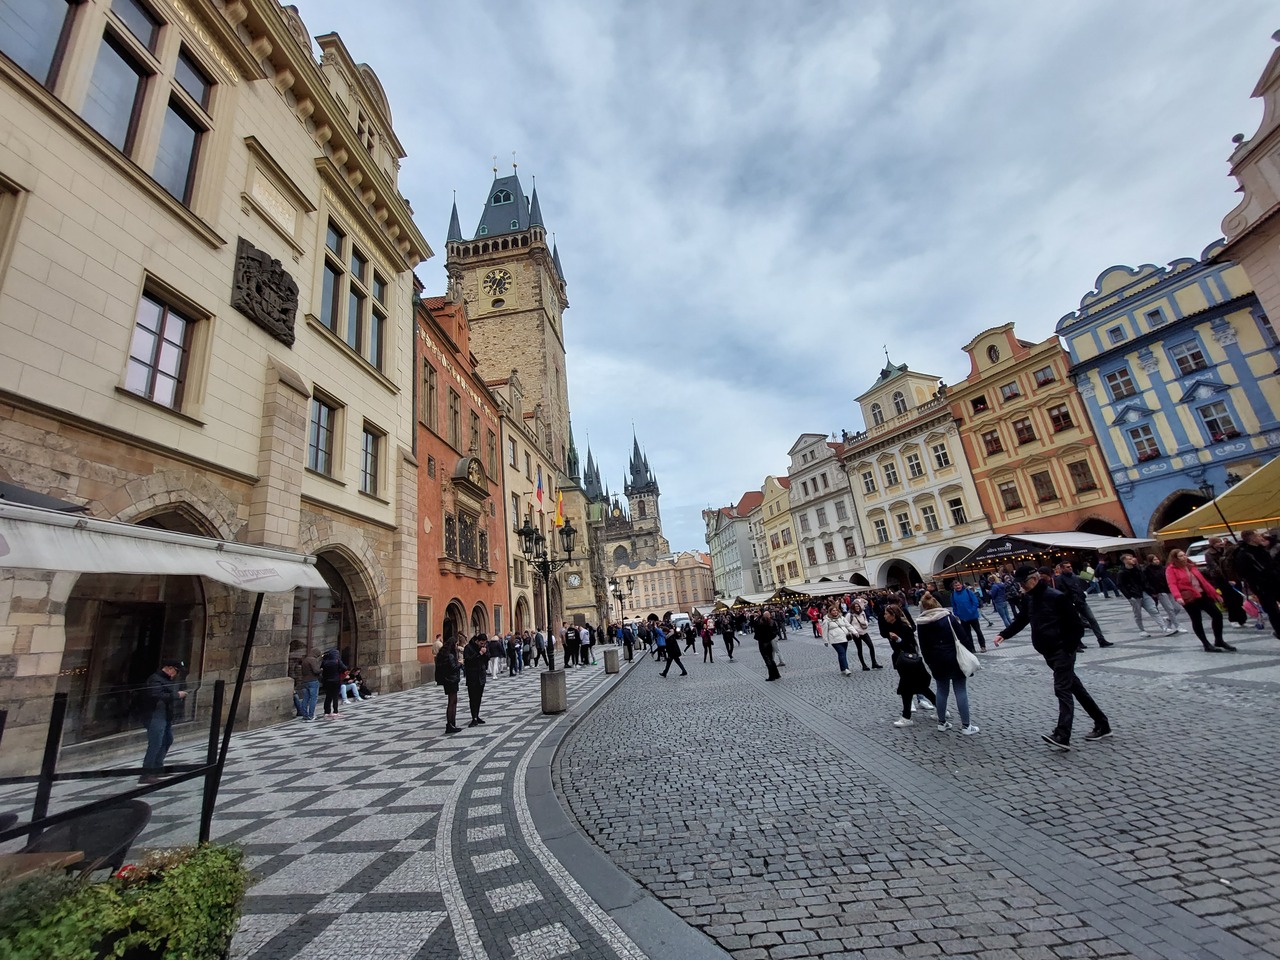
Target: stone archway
(1173, 507)
(524, 619)
(479, 622)
(1099, 527)
(362, 578)
(898, 573)
(455, 622)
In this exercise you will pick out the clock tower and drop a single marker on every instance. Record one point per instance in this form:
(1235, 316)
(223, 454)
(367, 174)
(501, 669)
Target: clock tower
(514, 289)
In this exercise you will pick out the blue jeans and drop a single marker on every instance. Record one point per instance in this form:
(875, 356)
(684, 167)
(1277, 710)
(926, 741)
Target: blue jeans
(962, 697)
(159, 740)
(1002, 608)
(842, 654)
(310, 694)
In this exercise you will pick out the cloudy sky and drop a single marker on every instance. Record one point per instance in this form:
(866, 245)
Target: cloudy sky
(752, 197)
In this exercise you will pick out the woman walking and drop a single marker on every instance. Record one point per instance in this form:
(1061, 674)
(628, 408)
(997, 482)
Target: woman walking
(475, 660)
(862, 633)
(673, 653)
(449, 675)
(708, 638)
(1196, 595)
(913, 678)
(332, 670)
(836, 631)
(938, 635)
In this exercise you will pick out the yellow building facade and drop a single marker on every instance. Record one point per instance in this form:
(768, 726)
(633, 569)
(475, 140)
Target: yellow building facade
(668, 585)
(784, 560)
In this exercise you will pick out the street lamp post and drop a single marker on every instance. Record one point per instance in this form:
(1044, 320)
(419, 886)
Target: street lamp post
(534, 546)
(1206, 488)
(621, 595)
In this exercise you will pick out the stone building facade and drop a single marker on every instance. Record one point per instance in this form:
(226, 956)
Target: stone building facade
(728, 535)
(668, 585)
(632, 529)
(784, 559)
(205, 305)
(1029, 441)
(822, 509)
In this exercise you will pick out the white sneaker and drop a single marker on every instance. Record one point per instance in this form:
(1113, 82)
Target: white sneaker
(1181, 629)
(1170, 631)
(1143, 633)
(970, 730)
(944, 727)
(847, 673)
(903, 722)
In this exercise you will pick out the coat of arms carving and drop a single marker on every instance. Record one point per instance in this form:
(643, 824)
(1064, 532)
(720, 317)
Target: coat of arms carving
(264, 292)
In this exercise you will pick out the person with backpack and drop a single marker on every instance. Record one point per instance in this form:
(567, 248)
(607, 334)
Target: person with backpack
(1056, 629)
(448, 676)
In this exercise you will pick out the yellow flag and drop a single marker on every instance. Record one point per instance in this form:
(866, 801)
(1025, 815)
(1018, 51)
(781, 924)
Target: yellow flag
(559, 509)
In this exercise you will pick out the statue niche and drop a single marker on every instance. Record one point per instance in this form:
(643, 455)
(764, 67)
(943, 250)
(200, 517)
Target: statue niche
(264, 292)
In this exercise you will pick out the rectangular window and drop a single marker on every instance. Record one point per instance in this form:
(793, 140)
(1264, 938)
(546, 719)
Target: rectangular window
(979, 404)
(370, 459)
(890, 474)
(774, 542)
(914, 467)
(1155, 318)
(804, 523)
(424, 621)
(528, 467)
(139, 20)
(430, 397)
(956, 506)
(1217, 420)
(377, 337)
(330, 308)
(320, 436)
(159, 353)
(793, 569)
(1081, 476)
(355, 318)
(32, 33)
(1188, 357)
(1060, 417)
(904, 524)
(191, 78)
(822, 516)
(1120, 384)
(849, 547)
(782, 573)
(1009, 495)
(113, 105)
(941, 456)
(868, 481)
(180, 137)
(1144, 443)
(804, 487)
(431, 467)
(930, 517)
(842, 512)
(829, 549)
(1268, 331)
(825, 484)
(1044, 376)
(1043, 485)
(1023, 430)
(882, 531)
(1115, 335)
(491, 454)
(991, 442)
(450, 536)
(455, 419)
(511, 451)
(1009, 391)
(811, 555)
(515, 511)
(786, 536)
(468, 542)
(473, 434)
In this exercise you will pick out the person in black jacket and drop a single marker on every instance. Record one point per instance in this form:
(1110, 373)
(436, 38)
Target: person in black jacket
(673, 651)
(1131, 582)
(1056, 630)
(913, 678)
(162, 696)
(1257, 568)
(765, 631)
(448, 676)
(1074, 587)
(475, 663)
(332, 670)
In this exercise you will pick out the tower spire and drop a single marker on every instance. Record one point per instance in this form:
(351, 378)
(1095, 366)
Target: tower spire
(455, 228)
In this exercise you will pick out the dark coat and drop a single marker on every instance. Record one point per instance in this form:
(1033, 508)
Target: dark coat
(1155, 579)
(1055, 625)
(939, 630)
(1254, 564)
(331, 667)
(765, 632)
(1131, 582)
(162, 694)
(913, 678)
(475, 661)
(448, 667)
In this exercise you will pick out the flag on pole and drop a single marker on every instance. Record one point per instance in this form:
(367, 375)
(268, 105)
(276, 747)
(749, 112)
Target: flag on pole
(559, 509)
(539, 494)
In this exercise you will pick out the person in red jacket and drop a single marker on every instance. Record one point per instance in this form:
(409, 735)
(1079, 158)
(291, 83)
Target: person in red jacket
(814, 615)
(1196, 595)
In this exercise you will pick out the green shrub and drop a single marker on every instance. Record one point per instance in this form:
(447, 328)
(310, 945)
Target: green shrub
(181, 904)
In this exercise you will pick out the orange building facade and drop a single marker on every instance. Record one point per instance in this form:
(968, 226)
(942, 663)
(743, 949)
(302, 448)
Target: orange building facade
(1030, 446)
(462, 546)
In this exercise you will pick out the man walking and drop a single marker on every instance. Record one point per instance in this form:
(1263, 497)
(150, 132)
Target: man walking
(765, 634)
(673, 653)
(572, 641)
(966, 606)
(1132, 585)
(1056, 630)
(726, 633)
(1219, 570)
(163, 695)
(1255, 564)
(1075, 588)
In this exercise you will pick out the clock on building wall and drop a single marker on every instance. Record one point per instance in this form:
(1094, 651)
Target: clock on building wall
(497, 281)
(575, 580)
(993, 353)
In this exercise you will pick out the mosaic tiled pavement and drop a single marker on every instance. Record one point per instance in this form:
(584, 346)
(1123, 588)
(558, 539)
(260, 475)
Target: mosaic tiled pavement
(771, 820)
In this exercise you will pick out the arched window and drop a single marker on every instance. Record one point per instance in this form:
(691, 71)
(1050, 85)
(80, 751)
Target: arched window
(502, 196)
(899, 402)
(877, 415)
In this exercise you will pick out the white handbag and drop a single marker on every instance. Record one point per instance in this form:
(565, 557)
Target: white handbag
(967, 662)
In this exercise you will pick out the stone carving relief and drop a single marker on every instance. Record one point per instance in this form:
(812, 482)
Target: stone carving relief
(264, 292)
(1148, 360)
(1223, 332)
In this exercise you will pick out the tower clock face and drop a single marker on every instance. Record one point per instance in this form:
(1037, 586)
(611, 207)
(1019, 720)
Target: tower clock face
(575, 580)
(497, 281)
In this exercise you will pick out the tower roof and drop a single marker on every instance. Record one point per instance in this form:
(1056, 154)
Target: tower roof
(640, 478)
(455, 228)
(555, 258)
(506, 209)
(591, 479)
(535, 210)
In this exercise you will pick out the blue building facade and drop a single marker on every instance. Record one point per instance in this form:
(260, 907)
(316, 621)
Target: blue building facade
(1178, 371)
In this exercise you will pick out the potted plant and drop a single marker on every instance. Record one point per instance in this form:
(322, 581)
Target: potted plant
(183, 902)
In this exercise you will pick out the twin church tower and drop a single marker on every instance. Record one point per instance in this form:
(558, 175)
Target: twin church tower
(511, 280)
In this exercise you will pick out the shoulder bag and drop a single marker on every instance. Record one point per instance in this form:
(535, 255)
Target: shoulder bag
(966, 661)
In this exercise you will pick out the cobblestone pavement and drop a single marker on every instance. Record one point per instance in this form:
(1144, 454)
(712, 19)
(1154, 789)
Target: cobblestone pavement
(792, 819)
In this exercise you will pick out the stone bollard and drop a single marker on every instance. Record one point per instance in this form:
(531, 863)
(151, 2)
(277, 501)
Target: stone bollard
(611, 660)
(555, 698)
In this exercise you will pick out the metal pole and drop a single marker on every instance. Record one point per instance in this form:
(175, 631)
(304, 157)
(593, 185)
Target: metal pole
(235, 700)
(49, 765)
(544, 568)
(211, 759)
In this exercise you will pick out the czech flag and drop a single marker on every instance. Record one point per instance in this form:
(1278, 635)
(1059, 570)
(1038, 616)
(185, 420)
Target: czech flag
(539, 494)
(559, 509)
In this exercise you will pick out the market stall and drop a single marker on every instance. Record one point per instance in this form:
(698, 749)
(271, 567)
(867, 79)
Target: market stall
(1037, 549)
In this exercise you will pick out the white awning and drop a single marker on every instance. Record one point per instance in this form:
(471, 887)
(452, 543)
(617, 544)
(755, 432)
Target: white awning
(1251, 504)
(32, 538)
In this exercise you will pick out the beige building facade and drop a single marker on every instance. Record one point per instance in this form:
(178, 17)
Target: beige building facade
(205, 302)
(672, 584)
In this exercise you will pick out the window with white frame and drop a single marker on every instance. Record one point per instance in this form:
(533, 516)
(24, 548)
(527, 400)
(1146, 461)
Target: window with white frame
(1060, 417)
(956, 506)
(877, 415)
(370, 459)
(1217, 420)
(786, 536)
(1010, 391)
(829, 549)
(914, 467)
(1044, 376)
(1144, 442)
(899, 402)
(904, 524)
(868, 481)
(811, 555)
(991, 442)
(1081, 476)
(1155, 318)
(1188, 357)
(793, 569)
(1009, 495)
(512, 452)
(804, 522)
(353, 296)
(1115, 335)
(930, 517)
(850, 549)
(1120, 384)
(890, 470)
(941, 456)
(1023, 430)
(882, 530)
